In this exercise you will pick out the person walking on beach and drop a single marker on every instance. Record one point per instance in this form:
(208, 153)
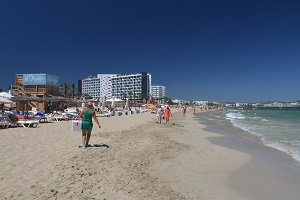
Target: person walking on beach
(184, 110)
(167, 114)
(159, 114)
(87, 125)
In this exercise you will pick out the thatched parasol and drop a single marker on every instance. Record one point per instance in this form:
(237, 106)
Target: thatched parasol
(56, 99)
(27, 98)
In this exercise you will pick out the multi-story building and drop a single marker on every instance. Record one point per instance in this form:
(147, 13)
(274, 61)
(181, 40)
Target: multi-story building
(97, 87)
(91, 87)
(106, 85)
(134, 86)
(158, 92)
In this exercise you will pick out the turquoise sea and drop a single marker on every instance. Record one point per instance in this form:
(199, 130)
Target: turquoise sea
(278, 128)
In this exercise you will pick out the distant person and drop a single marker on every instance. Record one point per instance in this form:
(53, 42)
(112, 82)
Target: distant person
(76, 116)
(65, 107)
(184, 110)
(50, 106)
(87, 125)
(167, 114)
(159, 114)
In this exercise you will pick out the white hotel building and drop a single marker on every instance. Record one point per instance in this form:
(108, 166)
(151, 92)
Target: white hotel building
(158, 92)
(98, 87)
(138, 85)
(116, 85)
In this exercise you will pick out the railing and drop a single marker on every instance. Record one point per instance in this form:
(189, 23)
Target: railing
(35, 91)
(18, 90)
(21, 91)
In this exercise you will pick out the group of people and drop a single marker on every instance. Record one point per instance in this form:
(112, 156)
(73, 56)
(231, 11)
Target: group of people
(88, 113)
(163, 113)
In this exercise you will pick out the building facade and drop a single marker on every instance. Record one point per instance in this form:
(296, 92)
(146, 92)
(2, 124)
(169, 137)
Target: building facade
(158, 91)
(91, 87)
(97, 87)
(106, 85)
(35, 85)
(134, 86)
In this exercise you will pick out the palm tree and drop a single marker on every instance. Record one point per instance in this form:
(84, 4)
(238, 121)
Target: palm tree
(124, 95)
(130, 94)
(66, 87)
(73, 87)
(165, 100)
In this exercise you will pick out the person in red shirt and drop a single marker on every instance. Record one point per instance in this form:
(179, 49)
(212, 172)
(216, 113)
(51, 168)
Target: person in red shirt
(167, 114)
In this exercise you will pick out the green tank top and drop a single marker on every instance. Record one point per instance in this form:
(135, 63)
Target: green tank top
(88, 115)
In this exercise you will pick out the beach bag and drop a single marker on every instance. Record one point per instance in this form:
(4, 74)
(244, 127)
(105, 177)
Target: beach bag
(76, 126)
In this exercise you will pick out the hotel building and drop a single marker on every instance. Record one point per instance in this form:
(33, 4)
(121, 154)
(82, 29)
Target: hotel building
(97, 87)
(158, 92)
(133, 86)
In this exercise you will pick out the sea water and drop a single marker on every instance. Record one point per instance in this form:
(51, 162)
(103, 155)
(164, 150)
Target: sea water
(278, 128)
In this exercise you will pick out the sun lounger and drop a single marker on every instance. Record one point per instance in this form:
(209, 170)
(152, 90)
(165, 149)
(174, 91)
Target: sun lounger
(58, 117)
(28, 123)
(4, 124)
(109, 114)
(40, 118)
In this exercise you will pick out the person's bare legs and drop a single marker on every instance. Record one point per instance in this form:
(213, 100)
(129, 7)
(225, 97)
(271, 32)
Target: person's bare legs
(84, 137)
(88, 137)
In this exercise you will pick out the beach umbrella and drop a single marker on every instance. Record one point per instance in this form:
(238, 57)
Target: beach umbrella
(5, 95)
(5, 101)
(114, 99)
(25, 98)
(56, 99)
(103, 103)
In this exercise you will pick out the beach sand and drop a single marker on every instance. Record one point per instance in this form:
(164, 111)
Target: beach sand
(133, 158)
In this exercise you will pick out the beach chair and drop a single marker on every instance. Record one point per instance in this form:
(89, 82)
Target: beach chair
(60, 117)
(13, 119)
(4, 124)
(28, 123)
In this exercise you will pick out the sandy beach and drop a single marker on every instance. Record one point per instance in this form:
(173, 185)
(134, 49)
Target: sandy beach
(133, 157)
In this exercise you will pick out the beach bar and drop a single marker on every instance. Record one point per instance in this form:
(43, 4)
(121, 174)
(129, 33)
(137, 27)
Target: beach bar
(32, 90)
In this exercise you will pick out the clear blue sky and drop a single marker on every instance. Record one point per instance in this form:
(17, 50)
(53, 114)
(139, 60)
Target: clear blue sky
(200, 50)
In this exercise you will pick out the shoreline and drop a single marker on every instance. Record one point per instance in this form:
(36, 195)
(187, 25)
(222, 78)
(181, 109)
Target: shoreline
(281, 171)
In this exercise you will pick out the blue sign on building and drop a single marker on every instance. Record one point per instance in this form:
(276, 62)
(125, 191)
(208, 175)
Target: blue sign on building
(40, 79)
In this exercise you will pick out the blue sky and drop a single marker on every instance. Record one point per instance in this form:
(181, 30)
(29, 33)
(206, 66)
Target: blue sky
(200, 50)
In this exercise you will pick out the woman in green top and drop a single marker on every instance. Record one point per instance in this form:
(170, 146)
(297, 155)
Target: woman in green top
(87, 125)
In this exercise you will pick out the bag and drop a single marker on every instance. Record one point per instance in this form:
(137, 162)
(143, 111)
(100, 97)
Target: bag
(76, 126)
